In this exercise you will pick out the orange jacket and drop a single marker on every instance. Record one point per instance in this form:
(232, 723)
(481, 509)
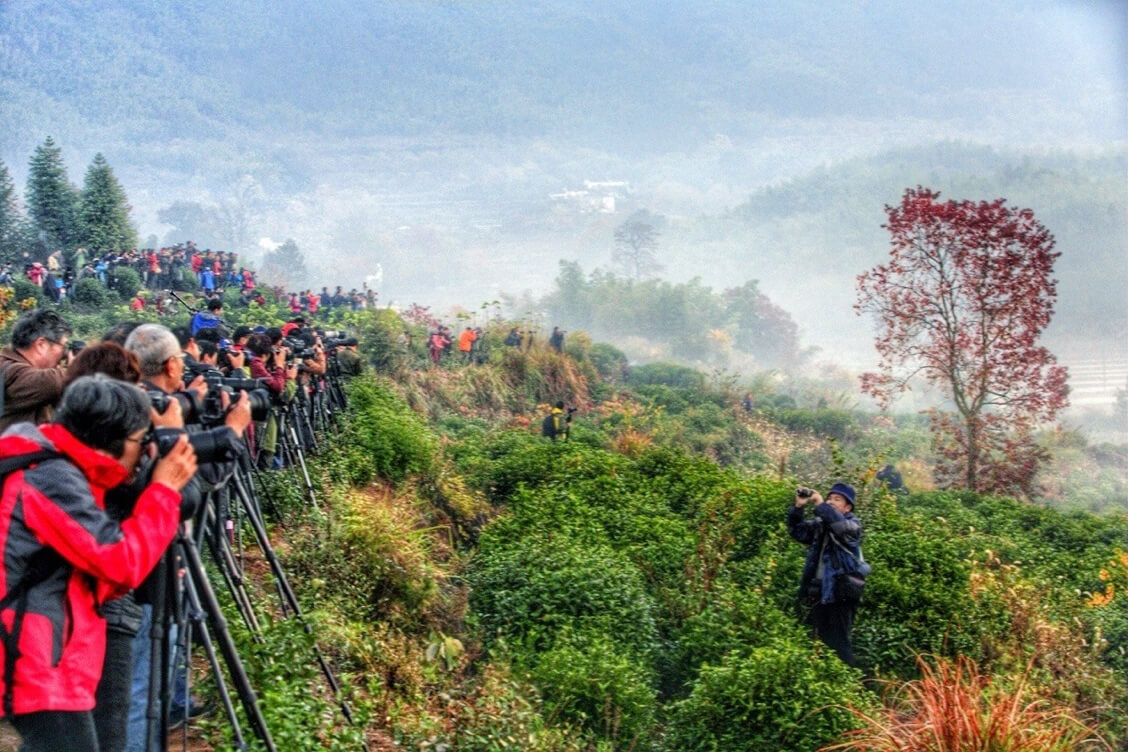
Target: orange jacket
(466, 340)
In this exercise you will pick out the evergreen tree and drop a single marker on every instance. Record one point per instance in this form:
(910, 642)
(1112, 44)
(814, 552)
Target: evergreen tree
(13, 225)
(104, 212)
(52, 201)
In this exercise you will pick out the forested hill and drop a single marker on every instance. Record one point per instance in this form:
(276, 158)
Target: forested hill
(807, 237)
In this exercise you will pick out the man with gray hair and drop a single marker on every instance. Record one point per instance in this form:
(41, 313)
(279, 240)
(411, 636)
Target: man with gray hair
(162, 367)
(31, 381)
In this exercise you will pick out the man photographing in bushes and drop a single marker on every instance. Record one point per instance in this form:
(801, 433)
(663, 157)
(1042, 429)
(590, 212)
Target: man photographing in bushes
(835, 572)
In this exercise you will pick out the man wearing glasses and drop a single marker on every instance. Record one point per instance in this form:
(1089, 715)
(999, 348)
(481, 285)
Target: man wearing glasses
(30, 374)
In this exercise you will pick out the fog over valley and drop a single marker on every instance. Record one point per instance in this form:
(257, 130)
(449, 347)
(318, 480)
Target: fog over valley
(456, 153)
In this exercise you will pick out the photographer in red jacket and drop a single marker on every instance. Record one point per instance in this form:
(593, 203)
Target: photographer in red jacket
(63, 556)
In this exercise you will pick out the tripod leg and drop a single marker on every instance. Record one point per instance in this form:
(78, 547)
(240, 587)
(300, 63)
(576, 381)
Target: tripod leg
(239, 678)
(197, 615)
(289, 597)
(232, 577)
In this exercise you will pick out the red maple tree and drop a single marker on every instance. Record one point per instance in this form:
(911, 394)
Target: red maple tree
(962, 302)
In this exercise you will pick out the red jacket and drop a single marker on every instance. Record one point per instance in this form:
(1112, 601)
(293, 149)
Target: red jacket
(57, 505)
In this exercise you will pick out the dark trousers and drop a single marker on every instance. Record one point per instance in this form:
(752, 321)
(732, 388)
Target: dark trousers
(832, 623)
(111, 709)
(56, 731)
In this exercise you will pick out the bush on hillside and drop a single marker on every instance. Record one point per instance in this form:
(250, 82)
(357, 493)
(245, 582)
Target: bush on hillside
(789, 696)
(24, 289)
(125, 282)
(610, 362)
(538, 589)
(669, 374)
(598, 686)
(384, 437)
(91, 294)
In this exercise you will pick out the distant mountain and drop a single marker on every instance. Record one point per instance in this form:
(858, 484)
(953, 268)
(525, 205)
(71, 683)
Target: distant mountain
(808, 237)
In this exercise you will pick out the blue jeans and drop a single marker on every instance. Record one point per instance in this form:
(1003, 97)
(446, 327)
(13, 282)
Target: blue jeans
(139, 693)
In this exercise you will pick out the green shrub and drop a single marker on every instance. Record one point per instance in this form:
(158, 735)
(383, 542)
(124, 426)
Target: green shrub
(840, 425)
(533, 591)
(91, 294)
(598, 686)
(669, 374)
(383, 437)
(610, 362)
(125, 281)
(784, 697)
(24, 289)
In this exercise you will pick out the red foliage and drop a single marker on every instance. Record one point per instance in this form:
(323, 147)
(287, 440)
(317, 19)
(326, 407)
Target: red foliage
(962, 301)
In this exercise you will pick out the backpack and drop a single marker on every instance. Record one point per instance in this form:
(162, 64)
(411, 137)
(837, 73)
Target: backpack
(40, 567)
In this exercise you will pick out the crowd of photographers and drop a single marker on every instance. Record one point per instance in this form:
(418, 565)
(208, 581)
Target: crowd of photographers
(104, 450)
(183, 267)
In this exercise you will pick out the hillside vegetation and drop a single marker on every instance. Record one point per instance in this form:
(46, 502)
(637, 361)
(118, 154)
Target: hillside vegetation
(484, 588)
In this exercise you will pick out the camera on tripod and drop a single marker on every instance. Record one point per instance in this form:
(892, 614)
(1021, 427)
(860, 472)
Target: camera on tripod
(210, 411)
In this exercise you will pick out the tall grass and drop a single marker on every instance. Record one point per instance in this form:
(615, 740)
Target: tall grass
(954, 707)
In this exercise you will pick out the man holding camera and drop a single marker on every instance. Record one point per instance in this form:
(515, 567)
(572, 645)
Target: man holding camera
(31, 380)
(835, 572)
(162, 368)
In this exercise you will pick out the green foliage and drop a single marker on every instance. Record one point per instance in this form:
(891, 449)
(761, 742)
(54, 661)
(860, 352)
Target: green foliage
(52, 201)
(104, 211)
(610, 362)
(840, 425)
(537, 591)
(784, 696)
(668, 374)
(91, 294)
(23, 289)
(13, 225)
(598, 685)
(125, 281)
(688, 321)
(384, 437)
(379, 333)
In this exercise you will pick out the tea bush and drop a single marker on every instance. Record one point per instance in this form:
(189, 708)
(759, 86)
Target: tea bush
(383, 437)
(597, 685)
(788, 696)
(535, 590)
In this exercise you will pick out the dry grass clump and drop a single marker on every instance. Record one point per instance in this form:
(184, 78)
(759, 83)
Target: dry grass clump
(954, 707)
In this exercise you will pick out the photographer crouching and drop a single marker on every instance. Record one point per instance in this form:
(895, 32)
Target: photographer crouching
(835, 571)
(64, 556)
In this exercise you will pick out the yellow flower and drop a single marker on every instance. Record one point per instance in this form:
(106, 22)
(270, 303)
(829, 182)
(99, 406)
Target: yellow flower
(1104, 575)
(1101, 599)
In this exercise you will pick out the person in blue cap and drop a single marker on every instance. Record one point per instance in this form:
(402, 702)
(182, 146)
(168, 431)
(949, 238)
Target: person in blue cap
(835, 572)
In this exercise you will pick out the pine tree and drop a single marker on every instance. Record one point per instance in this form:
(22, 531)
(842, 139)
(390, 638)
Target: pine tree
(104, 211)
(13, 225)
(51, 199)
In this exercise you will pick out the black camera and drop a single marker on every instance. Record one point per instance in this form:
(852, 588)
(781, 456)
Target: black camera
(803, 493)
(572, 410)
(257, 394)
(210, 446)
(75, 346)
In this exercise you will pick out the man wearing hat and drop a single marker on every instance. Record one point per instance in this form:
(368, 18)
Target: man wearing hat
(835, 571)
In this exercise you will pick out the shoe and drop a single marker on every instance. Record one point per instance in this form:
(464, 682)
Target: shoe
(196, 709)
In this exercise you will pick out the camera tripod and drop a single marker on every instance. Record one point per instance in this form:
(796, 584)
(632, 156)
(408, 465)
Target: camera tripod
(191, 603)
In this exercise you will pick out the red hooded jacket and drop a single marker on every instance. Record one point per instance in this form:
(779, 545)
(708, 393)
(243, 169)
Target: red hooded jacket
(59, 504)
